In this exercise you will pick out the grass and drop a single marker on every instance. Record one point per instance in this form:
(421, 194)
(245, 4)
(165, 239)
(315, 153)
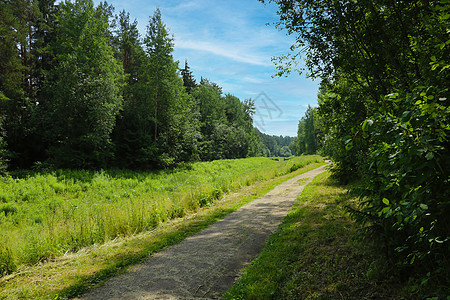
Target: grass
(150, 211)
(314, 254)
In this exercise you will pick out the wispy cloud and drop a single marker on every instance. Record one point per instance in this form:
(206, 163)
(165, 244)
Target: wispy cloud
(229, 43)
(234, 52)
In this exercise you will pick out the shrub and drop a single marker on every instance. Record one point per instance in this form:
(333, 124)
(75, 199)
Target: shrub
(7, 265)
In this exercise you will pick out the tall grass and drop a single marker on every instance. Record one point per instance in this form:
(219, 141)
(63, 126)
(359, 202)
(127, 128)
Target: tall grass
(46, 215)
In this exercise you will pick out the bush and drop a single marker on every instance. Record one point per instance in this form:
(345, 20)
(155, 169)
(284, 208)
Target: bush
(3, 153)
(7, 265)
(406, 195)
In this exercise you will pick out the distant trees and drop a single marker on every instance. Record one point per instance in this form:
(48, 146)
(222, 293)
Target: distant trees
(226, 129)
(307, 141)
(285, 151)
(80, 88)
(270, 145)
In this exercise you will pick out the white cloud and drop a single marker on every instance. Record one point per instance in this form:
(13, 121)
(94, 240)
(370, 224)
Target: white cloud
(229, 43)
(251, 79)
(234, 52)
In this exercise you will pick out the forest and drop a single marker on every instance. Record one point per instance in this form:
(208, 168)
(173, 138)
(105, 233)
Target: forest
(383, 117)
(81, 88)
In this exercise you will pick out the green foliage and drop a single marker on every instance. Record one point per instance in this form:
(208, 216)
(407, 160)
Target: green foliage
(84, 89)
(21, 27)
(225, 123)
(188, 78)
(285, 151)
(270, 145)
(308, 130)
(3, 153)
(79, 88)
(407, 195)
(7, 265)
(340, 109)
(383, 110)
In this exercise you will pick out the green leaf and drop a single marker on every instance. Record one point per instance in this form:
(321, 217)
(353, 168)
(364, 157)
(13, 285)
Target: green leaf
(349, 146)
(405, 114)
(385, 201)
(366, 124)
(423, 206)
(384, 211)
(429, 156)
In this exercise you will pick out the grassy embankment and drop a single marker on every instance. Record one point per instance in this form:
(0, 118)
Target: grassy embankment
(314, 254)
(116, 218)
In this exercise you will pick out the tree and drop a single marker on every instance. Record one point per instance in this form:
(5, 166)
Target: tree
(84, 89)
(294, 147)
(307, 133)
(127, 47)
(133, 134)
(211, 113)
(174, 133)
(21, 63)
(285, 151)
(188, 78)
(159, 48)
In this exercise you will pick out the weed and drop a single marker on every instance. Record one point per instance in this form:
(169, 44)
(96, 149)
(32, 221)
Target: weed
(8, 209)
(7, 265)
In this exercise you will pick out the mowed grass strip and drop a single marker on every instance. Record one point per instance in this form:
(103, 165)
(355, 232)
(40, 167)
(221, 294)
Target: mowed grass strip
(314, 254)
(70, 274)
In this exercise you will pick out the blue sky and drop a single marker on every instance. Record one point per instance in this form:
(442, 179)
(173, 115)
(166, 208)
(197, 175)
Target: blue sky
(229, 43)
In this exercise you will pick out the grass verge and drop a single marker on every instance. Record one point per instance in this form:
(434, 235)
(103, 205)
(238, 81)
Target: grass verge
(71, 274)
(314, 254)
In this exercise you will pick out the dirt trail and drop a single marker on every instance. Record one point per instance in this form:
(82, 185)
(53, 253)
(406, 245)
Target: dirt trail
(205, 265)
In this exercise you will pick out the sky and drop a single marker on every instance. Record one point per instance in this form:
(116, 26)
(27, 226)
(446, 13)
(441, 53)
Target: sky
(229, 42)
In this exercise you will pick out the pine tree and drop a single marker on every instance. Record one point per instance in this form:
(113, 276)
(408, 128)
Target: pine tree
(188, 78)
(127, 46)
(21, 56)
(157, 124)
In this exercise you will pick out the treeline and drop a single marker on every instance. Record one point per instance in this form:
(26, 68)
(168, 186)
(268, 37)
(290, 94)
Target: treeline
(309, 134)
(383, 117)
(80, 88)
(273, 145)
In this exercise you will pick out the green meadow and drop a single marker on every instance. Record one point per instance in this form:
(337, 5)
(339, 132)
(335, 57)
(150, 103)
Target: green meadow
(48, 214)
